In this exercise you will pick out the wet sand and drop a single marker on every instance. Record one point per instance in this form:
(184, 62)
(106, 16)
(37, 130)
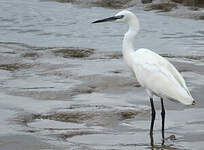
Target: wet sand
(60, 90)
(64, 100)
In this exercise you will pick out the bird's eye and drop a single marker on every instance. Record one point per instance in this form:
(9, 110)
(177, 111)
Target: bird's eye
(120, 17)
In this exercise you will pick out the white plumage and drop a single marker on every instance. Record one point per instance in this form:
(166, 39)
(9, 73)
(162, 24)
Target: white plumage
(159, 77)
(155, 73)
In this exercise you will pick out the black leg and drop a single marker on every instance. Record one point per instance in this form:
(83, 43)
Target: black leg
(153, 116)
(152, 141)
(163, 117)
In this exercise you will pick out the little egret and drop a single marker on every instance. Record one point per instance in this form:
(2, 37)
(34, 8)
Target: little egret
(153, 72)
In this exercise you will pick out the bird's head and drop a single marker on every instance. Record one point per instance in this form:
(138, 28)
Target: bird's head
(123, 16)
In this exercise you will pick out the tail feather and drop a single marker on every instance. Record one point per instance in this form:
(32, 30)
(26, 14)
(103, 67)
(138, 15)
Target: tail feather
(183, 97)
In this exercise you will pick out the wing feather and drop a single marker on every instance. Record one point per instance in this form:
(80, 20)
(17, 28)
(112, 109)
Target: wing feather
(160, 76)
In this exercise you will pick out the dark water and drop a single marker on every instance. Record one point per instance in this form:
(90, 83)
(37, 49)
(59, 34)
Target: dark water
(64, 85)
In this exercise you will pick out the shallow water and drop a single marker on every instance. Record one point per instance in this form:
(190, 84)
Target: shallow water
(60, 90)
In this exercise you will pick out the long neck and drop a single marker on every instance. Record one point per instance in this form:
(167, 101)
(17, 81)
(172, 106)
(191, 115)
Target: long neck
(129, 37)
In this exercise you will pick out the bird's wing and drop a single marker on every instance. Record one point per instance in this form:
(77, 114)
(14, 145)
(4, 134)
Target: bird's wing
(154, 58)
(160, 76)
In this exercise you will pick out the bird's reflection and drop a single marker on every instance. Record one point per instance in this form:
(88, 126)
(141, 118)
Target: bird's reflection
(153, 146)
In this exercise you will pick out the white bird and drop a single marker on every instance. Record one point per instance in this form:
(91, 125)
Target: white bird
(153, 72)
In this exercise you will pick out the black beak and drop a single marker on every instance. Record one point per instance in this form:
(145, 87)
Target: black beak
(108, 19)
